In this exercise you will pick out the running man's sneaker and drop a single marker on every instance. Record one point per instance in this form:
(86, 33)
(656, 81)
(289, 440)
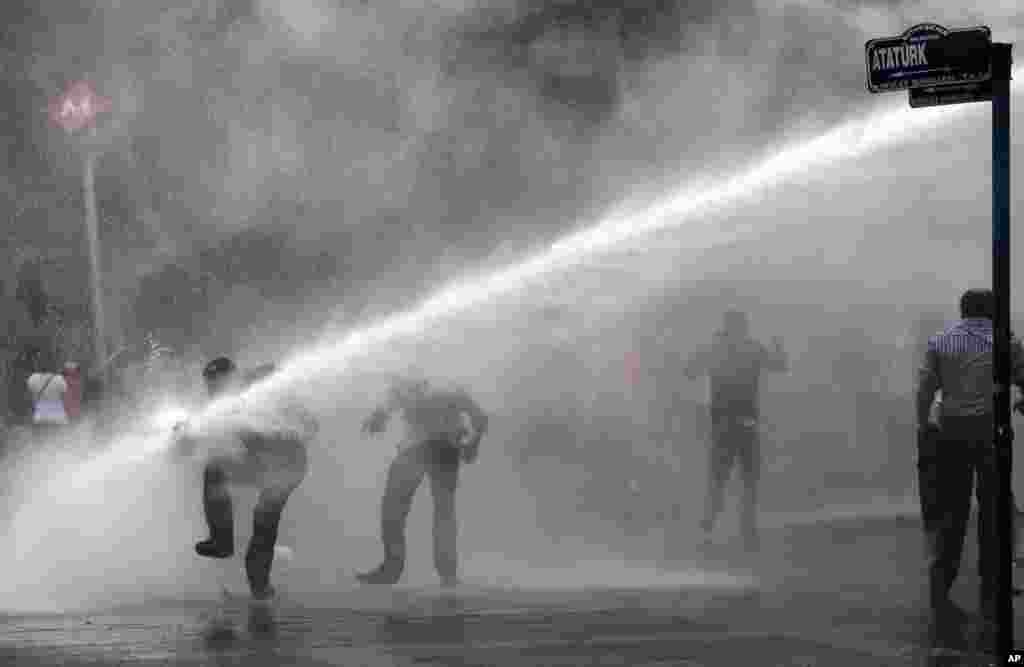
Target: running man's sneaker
(386, 574)
(210, 549)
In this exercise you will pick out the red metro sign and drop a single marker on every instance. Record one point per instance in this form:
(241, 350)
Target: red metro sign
(78, 107)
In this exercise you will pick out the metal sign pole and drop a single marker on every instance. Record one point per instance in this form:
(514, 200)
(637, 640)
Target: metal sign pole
(1003, 430)
(92, 231)
(938, 67)
(75, 110)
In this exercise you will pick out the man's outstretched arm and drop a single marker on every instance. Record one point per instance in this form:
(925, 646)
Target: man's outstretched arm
(477, 417)
(377, 422)
(478, 420)
(697, 365)
(1017, 360)
(928, 383)
(776, 359)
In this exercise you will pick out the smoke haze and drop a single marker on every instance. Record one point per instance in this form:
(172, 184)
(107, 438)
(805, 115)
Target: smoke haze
(419, 142)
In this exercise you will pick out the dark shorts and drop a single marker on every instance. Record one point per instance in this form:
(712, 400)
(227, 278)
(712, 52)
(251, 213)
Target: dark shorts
(441, 452)
(734, 439)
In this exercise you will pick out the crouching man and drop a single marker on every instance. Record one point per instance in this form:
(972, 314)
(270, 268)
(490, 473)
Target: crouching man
(265, 449)
(438, 443)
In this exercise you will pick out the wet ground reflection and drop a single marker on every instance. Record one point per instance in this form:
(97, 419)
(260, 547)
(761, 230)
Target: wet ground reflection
(855, 600)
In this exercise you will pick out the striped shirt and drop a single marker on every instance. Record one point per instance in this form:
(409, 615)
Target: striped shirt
(959, 364)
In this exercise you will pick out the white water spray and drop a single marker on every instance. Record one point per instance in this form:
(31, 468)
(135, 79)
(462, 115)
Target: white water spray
(68, 495)
(631, 223)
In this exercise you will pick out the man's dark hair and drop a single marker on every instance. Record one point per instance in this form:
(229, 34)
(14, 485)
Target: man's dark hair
(218, 367)
(978, 303)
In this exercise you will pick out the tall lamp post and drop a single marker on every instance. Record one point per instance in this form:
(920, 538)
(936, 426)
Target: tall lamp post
(73, 111)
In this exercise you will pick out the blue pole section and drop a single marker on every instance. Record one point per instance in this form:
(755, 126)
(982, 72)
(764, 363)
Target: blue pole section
(1003, 429)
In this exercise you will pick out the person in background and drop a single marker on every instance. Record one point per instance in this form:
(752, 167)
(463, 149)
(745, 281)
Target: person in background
(72, 374)
(19, 398)
(734, 363)
(958, 451)
(93, 393)
(265, 449)
(438, 443)
(48, 391)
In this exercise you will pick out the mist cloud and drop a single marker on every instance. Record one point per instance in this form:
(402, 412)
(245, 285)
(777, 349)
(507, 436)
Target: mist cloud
(410, 139)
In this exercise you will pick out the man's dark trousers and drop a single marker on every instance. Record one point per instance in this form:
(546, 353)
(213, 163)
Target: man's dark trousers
(928, 447)
(963, 452)
(734, 440)
(277, 477)
(439, 460)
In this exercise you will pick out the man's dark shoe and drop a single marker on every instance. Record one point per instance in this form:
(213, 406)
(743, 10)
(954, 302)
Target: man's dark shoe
(386, 574)
(985, 637)
(449, 581)
(212, 549)
(949, 627)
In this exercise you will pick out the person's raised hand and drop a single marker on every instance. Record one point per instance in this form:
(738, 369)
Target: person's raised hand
(375, 423)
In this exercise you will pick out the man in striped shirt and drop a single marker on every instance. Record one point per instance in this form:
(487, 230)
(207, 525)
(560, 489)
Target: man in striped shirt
(958, 363)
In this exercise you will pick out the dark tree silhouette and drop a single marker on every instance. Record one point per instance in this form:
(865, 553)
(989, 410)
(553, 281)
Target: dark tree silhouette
(31, 293)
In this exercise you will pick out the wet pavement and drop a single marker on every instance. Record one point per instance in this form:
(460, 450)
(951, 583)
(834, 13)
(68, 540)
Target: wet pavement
(840, 593)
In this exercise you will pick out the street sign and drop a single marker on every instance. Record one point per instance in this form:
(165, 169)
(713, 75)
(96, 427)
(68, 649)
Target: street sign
(78, 107)
(934, 96)
(937, 67)
(928, 55)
